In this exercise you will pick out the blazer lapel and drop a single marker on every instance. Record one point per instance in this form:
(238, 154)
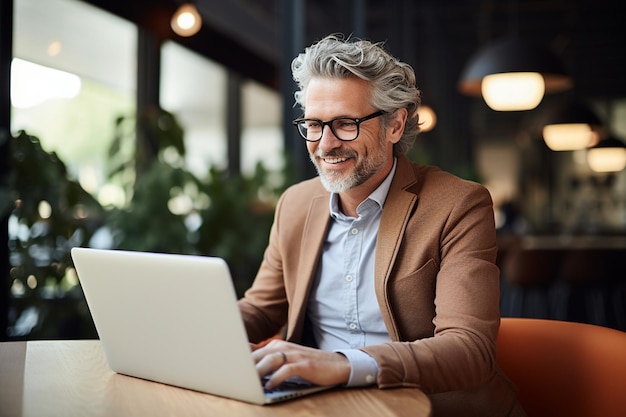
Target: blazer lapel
(396, 213)
(315, 230)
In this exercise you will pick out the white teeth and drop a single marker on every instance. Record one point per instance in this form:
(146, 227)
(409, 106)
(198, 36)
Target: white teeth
(334, 160)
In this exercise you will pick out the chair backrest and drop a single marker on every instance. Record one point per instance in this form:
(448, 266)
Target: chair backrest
(564, 368)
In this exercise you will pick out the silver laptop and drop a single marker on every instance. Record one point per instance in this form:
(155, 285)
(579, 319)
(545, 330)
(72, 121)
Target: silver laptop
(173, 319)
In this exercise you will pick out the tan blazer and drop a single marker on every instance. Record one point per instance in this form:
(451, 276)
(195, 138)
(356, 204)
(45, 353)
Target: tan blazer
(436, 282)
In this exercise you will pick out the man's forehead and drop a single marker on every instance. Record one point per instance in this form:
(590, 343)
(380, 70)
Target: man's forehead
(337, 96)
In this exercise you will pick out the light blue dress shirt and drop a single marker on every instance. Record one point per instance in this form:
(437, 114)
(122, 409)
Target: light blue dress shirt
(342, 307)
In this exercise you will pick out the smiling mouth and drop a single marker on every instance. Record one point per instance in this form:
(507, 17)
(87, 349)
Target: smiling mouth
(331, 160)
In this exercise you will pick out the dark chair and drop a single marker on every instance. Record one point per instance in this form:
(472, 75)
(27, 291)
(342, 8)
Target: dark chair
(526, 276)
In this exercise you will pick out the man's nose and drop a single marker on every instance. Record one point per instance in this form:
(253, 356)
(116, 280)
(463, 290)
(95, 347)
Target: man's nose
(328, 140)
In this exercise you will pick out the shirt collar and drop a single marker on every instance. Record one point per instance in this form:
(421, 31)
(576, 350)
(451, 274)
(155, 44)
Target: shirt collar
(379, 195)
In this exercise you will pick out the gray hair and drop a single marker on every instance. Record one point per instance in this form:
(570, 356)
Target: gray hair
(392, 81)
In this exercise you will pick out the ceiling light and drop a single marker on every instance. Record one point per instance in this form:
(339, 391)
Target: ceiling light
(187, 20)
(570, 125)
(609, 155)
(507, 73)
(513, 90)
(54, 48)
(567, 136)
(427, 118)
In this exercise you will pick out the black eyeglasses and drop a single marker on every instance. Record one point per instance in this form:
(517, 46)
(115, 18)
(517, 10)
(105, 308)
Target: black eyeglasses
(344, 128)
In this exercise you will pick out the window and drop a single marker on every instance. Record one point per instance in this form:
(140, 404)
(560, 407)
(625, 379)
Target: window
(262, 136)
(193, 88)
(73, 73)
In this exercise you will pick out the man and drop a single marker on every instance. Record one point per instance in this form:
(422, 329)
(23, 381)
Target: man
(382, 272)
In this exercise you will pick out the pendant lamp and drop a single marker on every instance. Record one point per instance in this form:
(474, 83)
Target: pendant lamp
(513, 74)
(186, 21)
(570, 125)
(609, 155)
(427, 118)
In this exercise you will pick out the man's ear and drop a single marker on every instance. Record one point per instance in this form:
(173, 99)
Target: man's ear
(395, 126)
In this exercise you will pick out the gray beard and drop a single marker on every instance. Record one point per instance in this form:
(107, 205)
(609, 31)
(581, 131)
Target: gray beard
(339, 185)
(362, 173)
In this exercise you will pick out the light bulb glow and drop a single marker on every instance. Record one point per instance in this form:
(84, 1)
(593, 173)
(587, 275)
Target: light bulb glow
(568, 136)
(427, 118)
(513, 91)
(606, 159)
(187, 20)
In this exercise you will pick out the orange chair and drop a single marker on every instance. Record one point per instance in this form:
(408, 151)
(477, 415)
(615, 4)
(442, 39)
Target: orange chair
(564, 368)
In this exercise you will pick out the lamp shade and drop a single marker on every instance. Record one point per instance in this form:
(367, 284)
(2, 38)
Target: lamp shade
(609, 155)
(570, 125)
(526, 59)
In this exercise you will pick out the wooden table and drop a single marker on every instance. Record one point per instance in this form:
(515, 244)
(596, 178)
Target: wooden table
(72, 378)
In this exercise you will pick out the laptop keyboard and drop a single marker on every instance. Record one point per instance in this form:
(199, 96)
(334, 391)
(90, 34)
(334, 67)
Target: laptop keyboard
(289, 384)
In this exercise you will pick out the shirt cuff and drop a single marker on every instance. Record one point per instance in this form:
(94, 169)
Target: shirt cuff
(363, 368)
